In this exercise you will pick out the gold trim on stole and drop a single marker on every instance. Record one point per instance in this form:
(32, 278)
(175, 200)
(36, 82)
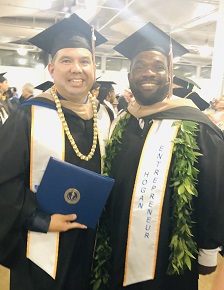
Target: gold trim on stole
(31, 183)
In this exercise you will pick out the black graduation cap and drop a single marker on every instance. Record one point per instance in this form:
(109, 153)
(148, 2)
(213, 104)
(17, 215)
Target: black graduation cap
(44, 86)
(105, 88)
(95, 86)
(107, 85)
(71, 32)
(184, 82)
(194, 96)
(2, 78)
(149, 37)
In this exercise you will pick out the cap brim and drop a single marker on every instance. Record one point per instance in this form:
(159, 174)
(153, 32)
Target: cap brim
(104, 83)
(44, 86)
(186, 79)
(2, 74)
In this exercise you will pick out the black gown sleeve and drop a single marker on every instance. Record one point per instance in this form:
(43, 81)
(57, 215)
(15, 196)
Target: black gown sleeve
(17, 201)
(38, 221)
(210, 189)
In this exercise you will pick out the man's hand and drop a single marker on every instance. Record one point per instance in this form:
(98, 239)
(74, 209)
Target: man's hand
(63, 223)
(204, 270)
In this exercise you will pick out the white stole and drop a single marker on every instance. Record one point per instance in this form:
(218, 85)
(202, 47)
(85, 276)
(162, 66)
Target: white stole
(3, 115)
(48, 139)
(147, 203)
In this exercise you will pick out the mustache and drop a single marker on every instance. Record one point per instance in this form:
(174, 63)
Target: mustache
(149, 79)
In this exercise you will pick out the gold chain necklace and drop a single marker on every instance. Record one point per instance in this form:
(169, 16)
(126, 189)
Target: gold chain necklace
(67, 131)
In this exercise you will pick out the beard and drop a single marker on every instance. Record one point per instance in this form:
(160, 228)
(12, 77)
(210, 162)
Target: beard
(153, 97)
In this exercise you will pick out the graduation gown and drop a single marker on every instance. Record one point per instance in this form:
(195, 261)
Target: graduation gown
(208, 206)
(186, 93)
(109, 111)
(17, 203)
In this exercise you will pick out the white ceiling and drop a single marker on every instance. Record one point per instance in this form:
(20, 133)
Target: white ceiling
(190, 22)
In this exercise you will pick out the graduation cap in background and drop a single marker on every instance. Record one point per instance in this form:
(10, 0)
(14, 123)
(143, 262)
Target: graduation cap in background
(185, 91)
(44, 86)
(184, 82)
(105, 88)
(107, 85)
(149, 37)
(95, 86)
(2, 78)
(194, 96)
(71, 32)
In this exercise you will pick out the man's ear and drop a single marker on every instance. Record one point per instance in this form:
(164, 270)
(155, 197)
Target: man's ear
(51, 68)
(94, 71)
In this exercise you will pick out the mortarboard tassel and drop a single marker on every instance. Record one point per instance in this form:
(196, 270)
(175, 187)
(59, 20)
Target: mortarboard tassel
(93, 43)
(171, 69)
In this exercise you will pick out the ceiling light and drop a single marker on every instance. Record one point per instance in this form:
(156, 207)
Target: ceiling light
(22, 51)
(22, 61)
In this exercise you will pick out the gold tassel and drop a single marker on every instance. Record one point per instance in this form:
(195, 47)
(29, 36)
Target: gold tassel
(93, 44)
(171, 69)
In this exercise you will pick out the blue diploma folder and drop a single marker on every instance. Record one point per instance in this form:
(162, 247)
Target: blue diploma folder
(66, 188)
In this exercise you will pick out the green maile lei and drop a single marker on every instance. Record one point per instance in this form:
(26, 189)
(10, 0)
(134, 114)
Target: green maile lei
(184, 180)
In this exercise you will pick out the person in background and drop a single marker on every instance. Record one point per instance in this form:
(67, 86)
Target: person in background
(115, 104)
(106, 97)
(165, 214)
(27, 92)
(3, 115)
(212, 104)
(95, 89)
(184, 89)
(217, 116)
(11, 100)
(8, 101)
(14, 92)
(43, 250)
(124, 100)
(4, 86)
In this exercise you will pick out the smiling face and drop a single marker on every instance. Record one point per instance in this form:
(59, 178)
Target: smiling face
(73, 72)
(148, 77)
